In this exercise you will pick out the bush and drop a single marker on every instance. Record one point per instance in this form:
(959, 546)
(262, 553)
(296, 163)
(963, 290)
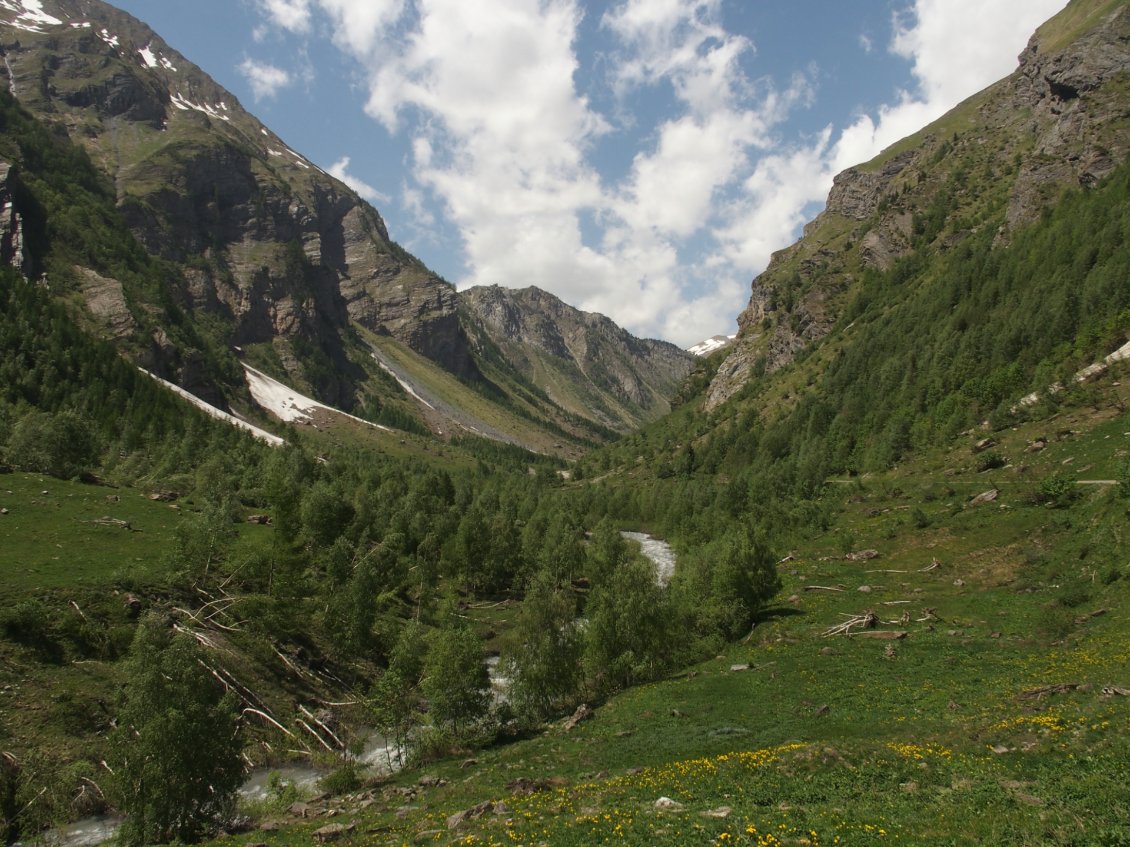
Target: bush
(346, 778)
(1057, 491)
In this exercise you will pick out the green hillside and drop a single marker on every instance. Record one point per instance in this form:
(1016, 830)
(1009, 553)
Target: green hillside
(898, 505)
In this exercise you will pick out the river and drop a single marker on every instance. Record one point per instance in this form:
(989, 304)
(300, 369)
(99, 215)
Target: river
(660, 553)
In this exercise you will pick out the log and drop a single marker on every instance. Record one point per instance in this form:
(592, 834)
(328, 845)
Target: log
(1058, 688)
(881, 634)
(821, 588)
(310, 730)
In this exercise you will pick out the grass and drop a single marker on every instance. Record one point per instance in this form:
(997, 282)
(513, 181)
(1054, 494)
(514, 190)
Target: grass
(52, 538)
(937, 738)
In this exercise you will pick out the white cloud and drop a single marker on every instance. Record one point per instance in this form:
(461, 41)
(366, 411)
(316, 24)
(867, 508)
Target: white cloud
(359, 24)
(293, 15)
(340, 170)
(502, 139)
(265, 80)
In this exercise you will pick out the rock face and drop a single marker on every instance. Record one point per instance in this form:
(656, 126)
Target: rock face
(584, 362)
(1059, 121)
(270, 251)
(11, 225)
(274, 247)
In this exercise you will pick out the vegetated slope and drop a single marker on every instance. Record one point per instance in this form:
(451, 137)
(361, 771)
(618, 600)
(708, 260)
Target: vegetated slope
(969, 183)
(259, 249)
(937, 671)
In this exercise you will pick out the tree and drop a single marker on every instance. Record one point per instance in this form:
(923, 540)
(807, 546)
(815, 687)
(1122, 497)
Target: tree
(544, 663)
(631, 630)
(177, 746)
(392, 703)
(456, 681)
(59, 445)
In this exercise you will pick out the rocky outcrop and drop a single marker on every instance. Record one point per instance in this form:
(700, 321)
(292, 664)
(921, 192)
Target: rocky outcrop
(856, 193)
(266, 241)
(1059, 122)
(1078, 137)
(106, 302)
(12, 250)
(584, 362)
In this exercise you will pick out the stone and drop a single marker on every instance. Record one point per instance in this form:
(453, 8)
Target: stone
(985, 497)
(739, 668)
(720, 812)
(332, 832)
(583, 713)
(666, 804)
(457, 819)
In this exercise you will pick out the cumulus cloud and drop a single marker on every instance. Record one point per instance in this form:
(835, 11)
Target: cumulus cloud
(265, 79)
(503, 140)
(293, 15)
(340, 170)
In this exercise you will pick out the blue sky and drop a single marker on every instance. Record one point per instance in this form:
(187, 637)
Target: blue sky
(639, 158)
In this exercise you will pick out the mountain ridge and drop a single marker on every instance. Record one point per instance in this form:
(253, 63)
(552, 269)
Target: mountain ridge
(262, 247)
(1052, 118)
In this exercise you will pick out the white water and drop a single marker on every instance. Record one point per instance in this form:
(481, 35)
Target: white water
(660, 553)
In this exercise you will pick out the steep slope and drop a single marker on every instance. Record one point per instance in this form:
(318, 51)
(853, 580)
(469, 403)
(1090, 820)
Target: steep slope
(992, 164)
(279, 251)
(582, 361)
(251, 246)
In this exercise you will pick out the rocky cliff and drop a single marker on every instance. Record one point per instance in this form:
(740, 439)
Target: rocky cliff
(583, 362)
(995, 161)
(260, 251)
(267, 242)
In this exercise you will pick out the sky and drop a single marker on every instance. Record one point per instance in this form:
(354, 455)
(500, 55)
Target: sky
(638, 158)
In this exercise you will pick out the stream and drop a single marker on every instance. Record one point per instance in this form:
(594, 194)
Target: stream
(377, 753)
(660, 553)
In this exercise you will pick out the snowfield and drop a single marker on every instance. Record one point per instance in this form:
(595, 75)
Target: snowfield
(219, 414)
(289, 405)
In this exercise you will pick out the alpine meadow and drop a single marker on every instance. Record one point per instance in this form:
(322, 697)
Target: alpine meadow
(301, 544)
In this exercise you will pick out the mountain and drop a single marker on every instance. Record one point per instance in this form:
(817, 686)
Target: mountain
(583, 362)
(252, 246)
(994, 164)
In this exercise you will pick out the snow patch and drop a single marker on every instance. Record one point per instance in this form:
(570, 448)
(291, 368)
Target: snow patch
(287, 404)
(167, 65)
(705, 348)
(148, 57)
(219, 414)
(274, 152)
(112, 40)
(1090, 372)
(81, 25)
(184, 104)
(30, 16)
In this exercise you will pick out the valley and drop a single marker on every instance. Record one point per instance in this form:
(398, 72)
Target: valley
(278, 502)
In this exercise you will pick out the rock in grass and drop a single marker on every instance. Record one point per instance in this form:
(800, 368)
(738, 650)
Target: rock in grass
(583, 712)
(720, 812)
(666, 804)
(332, 832)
